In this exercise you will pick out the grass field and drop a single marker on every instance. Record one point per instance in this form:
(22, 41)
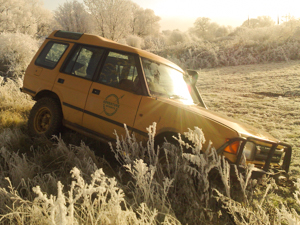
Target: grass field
(266, 96)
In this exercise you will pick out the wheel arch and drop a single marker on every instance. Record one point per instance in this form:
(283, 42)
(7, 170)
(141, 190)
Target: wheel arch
(159, 139)
(46, 93)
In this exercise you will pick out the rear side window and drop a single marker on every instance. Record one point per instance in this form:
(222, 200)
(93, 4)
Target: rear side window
(51, 54)
(84, 61)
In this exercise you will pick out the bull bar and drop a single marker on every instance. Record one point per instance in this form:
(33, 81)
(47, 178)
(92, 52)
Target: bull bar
(287, 150)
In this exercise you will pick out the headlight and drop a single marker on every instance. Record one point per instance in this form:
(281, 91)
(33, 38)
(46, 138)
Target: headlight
(250, 150)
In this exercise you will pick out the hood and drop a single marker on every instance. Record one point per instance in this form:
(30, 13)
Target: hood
(243, 129)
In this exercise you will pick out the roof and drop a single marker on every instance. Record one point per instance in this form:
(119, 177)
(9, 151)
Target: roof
(91, 39)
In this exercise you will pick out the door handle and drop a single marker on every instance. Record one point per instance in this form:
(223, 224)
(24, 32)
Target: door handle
(61, 80)
(96, 91)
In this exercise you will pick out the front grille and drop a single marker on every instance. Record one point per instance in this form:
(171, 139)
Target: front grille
(263, 151)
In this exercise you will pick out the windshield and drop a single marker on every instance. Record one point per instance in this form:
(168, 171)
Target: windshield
(165, 81)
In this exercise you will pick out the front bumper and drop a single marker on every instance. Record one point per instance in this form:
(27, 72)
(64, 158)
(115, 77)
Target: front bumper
(275, 155)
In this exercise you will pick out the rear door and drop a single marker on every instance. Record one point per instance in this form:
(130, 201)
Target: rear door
(74, 81)
(41, 73)
(113, 100)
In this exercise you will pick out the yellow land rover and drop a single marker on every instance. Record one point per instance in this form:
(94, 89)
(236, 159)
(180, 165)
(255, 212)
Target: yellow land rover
(95, 86)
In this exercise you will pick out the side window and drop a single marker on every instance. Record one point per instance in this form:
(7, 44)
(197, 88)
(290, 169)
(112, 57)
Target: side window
(84, 62)
(51, 54)
(157, 77)
(120, 71)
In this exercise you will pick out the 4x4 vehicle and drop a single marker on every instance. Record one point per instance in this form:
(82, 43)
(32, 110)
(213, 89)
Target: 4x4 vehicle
(95, 86)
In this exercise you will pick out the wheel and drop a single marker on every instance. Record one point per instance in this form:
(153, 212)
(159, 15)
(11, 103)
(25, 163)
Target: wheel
(45, 118)
(160, 140)
(170, 158)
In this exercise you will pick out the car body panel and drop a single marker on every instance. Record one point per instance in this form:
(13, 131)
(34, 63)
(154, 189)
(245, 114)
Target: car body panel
(72, 92)
(109, 110)
(171, 115)
(243, 129)
(39, 78)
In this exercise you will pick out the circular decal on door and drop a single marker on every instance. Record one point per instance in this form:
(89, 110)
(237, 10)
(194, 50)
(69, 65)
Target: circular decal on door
(111, 104)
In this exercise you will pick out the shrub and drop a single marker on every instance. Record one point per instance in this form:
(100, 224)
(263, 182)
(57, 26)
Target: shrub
(16, 52)
(176, 36)
(154, 43)
(135, 41)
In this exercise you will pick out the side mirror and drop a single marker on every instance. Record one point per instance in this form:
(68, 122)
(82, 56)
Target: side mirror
(194, 74)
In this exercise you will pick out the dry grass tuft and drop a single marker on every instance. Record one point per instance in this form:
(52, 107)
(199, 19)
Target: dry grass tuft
(15, 105)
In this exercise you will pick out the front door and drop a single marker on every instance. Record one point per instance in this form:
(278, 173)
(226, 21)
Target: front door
(112, 100)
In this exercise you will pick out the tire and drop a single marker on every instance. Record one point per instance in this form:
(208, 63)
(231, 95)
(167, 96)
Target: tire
(45, 118)
(160, 140)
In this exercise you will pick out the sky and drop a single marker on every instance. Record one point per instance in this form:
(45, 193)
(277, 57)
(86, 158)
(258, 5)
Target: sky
(181, 14)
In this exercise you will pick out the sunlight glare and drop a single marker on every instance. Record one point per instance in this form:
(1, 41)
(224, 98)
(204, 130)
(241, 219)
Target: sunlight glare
(180, 88)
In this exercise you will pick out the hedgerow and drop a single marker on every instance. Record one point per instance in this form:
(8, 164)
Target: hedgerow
(243, 47)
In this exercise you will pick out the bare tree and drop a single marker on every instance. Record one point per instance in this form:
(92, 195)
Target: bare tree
(72, 16)
(112, 17)
(43, 17)
(144, 22)
(202, 24)
(290, 21)
(260, 21)
(22, 16)
(204, 28)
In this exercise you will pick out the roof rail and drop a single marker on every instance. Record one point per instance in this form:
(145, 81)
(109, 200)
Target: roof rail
(68, 35)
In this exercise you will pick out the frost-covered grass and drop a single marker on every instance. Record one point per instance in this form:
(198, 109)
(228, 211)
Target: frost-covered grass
(99, 201)
(53, 182)
(15, 105)
(266, 96)
(194, 188)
